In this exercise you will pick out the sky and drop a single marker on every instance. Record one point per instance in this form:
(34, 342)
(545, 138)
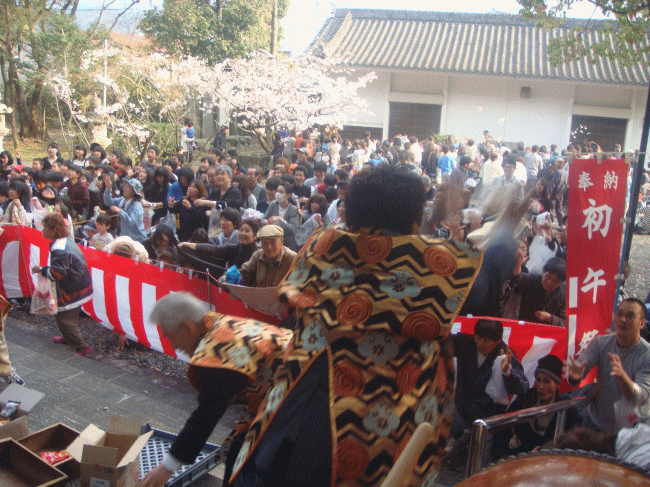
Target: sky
(306, 17)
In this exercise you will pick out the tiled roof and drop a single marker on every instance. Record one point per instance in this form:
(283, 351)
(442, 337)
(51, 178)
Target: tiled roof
(488, 44)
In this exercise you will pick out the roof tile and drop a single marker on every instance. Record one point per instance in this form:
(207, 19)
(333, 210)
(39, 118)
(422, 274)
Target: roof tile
(493, 44)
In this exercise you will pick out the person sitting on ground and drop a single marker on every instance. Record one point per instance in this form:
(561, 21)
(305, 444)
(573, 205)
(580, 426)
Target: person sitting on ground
(248, 200)
(77, 191)
(532, 434)
(19, 210)
(629, 445)
(191, 213)
(314, 216)
(129, 248)
(270, 188)
(267, 266)
(224, 195)
(156, 194)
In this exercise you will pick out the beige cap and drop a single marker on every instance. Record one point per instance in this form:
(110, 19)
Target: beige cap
(270, 231)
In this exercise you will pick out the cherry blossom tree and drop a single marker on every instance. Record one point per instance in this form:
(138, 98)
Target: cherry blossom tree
(263, 94)
(141, 88)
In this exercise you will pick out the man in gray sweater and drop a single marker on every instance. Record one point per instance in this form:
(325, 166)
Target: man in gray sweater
(623, 360)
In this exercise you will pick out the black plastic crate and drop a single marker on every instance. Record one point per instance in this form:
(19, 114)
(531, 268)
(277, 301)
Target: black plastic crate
(159, 443)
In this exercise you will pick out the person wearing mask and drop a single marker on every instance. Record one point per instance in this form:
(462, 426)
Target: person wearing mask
(285, 214)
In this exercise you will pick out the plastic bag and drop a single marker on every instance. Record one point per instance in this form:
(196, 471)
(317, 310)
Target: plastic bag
(169, 220)
(628, 414)
(232, 275)
(496, 386)
(44, 297)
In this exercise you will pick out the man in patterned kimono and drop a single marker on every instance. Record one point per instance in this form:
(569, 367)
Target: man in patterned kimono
(368, 361)
(229, 356)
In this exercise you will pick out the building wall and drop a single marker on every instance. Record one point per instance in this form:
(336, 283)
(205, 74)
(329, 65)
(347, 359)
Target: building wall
(471, 104)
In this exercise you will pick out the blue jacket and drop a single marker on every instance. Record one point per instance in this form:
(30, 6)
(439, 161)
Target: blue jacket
(446, 163)
(131, 216)
(175, 191)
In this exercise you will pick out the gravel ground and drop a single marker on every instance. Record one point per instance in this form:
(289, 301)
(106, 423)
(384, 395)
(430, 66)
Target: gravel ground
(106, 341)
(638, 284)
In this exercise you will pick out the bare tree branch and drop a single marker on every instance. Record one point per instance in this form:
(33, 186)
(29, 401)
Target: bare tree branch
(117, 18)
(105, 6)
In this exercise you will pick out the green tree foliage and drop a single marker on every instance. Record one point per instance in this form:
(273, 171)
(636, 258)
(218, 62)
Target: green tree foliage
(36, 36)
(211, 30)
(623, 35)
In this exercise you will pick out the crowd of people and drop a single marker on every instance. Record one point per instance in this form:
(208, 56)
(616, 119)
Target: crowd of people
(375, 247)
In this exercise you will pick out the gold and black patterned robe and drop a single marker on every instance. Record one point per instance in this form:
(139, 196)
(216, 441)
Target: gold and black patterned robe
(378, 307)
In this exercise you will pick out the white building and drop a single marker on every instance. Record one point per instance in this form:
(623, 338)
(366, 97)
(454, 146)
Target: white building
(454, 73)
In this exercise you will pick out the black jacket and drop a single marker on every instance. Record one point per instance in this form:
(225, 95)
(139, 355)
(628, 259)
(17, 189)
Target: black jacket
(472, 402)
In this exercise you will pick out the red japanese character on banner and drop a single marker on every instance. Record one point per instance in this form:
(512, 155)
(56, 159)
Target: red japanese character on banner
(594, 230)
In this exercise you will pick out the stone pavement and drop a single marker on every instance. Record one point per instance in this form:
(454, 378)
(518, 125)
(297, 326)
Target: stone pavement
(83, 390)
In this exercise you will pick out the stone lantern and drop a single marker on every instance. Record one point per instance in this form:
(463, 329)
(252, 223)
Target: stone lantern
(4, 110)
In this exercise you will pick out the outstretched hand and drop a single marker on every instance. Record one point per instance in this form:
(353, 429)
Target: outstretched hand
(576, 369)
(506, 364)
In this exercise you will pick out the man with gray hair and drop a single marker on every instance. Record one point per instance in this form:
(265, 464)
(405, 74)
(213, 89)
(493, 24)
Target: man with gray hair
(216, 371)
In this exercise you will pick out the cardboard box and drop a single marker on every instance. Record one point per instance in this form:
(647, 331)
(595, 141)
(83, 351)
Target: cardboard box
(19, 467)
(18, 427)
(111, 458)
(54, 438)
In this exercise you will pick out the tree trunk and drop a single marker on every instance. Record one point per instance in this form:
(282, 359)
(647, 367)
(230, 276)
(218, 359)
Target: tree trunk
(147, 143)
(274, 28)
(29, 127)
(263, 142)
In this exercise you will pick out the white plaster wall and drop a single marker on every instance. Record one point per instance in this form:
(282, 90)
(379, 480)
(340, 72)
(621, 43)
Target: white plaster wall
(635, 124)
(375, 94)
(604, 96)
(417, 82)
(475, 104)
